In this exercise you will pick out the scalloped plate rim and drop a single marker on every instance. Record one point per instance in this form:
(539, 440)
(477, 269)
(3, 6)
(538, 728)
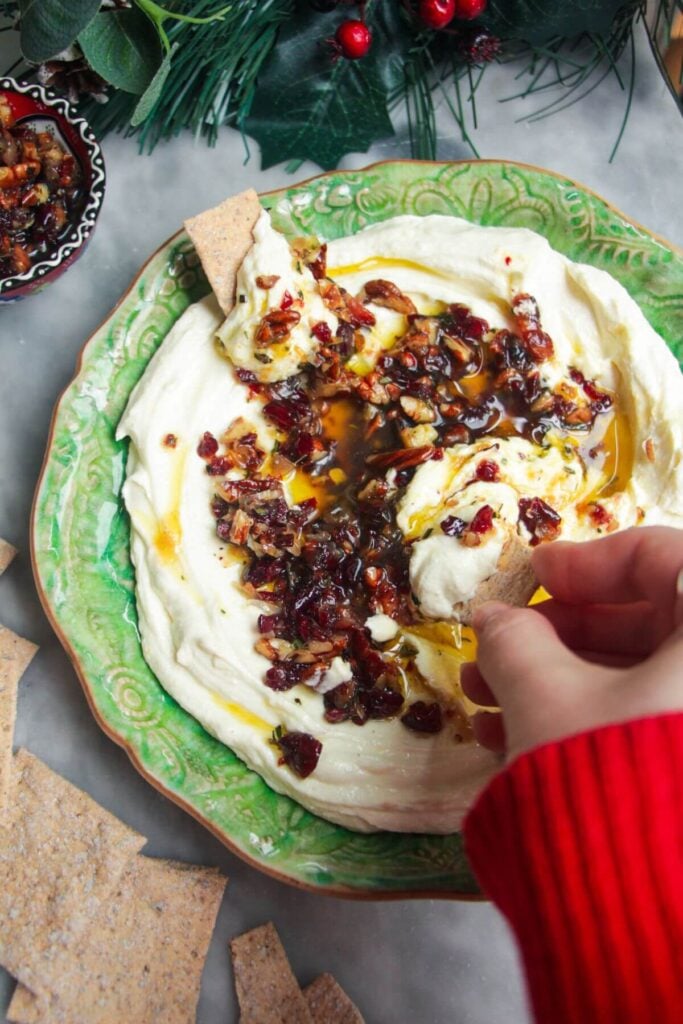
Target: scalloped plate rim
(345, 892)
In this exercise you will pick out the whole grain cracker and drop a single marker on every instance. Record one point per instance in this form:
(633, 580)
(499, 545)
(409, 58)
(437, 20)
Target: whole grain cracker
(329, 1003)
(513, 581)
(267, 991)
(141, 959)
(60, 857)
(15, 655)
(222, 237)
(7, 553)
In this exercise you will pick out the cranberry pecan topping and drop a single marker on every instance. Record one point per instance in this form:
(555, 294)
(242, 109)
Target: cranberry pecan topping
(41, 192)
(542, 521)
(322, 566)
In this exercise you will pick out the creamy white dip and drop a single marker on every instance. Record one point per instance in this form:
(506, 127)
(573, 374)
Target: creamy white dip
(198, 628)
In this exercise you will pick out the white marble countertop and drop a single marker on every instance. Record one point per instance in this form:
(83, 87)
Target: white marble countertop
(423, 962)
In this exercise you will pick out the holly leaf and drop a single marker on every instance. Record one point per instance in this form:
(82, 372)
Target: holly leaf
(124, 48)
(308, 108)
(153, 91)
(49, 26)
(537, 21)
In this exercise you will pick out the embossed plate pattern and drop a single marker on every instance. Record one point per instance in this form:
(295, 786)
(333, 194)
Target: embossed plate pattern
(81, 530)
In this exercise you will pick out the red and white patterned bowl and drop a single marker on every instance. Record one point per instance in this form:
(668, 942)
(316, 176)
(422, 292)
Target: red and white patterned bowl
(35, 103)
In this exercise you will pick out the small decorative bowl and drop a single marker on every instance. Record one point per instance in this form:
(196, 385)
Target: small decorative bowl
(33, 103)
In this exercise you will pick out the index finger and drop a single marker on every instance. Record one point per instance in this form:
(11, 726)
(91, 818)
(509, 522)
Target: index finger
(640, 564)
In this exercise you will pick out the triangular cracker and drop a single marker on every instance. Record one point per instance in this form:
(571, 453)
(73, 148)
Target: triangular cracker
(60, 857)
(7, 553)
(222, 237)
(267, 991)
(329, 1003)
(15, 655)
(141, 959)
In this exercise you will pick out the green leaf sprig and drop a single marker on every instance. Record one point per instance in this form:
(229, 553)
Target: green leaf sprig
(128, 47)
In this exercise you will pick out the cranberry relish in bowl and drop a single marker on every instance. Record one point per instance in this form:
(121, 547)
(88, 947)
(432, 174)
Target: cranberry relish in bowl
(325, 483)
(51, 187)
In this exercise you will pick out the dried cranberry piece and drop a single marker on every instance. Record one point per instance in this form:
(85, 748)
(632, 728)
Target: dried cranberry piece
(285, 674)
(246, 376)
(286, 300)
(219, 507)
(266, 570)
(322, 332)
(453, 526)
(539, 345)
(460, 322)
(300, 752)
(219, 466)
(600, 400)
(599, 514)
(274, 624)
(542, 521)
(487, 470)
(381, 702)
(223, 527)
(208, 446)
(423, 717)
(483, 520)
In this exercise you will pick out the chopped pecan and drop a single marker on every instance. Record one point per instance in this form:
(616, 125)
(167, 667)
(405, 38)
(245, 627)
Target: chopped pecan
(404, 458)
(370, 390)
(241, 525)
(267, 281)
(416, 437)
(385, 293)
(417, 409)
(276, 325)
(459, 348)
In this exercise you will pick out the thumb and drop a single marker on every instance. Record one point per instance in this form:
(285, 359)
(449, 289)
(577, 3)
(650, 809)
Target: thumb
(521, 656)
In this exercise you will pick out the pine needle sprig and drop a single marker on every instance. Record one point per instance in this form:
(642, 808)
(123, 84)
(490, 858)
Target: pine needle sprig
(213, 72)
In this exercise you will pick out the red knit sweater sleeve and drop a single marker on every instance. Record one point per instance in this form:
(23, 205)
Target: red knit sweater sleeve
(580, 844)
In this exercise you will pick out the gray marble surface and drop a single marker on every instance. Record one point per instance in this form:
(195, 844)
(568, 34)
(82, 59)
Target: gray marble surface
(422, 962)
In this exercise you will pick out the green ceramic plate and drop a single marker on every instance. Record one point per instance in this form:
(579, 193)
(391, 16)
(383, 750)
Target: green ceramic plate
(81, 530)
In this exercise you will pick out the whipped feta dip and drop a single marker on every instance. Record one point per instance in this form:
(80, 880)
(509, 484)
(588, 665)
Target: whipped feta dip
(198, 627)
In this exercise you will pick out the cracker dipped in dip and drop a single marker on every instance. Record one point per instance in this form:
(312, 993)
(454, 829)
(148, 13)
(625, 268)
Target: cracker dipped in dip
(327, 475)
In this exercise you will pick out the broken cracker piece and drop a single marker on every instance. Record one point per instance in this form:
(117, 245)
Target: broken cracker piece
(513, 582)
(329, 1003)
(15, 655)
(142, 956)
(7, 553)
(267, 991)
(60, 857)
(222, 237)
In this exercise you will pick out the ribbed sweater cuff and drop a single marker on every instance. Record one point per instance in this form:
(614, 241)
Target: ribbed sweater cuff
(580, 844)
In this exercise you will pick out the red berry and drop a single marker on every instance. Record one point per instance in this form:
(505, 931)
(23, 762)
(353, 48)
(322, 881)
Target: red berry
(468, 9)
(437, 14)
(353, 38)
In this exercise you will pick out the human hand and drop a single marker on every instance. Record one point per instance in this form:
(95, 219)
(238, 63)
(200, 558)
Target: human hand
(606, 648)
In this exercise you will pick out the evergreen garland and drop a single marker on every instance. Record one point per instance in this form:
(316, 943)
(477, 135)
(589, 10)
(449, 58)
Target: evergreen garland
(270, 67)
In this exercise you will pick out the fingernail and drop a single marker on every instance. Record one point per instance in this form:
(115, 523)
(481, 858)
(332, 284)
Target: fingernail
(487, 612)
